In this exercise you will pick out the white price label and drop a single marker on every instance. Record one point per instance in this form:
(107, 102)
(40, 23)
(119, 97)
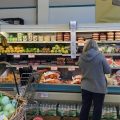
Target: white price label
(16, 55)
(43, 95)
(17, 67)
(54, 68)
(34, 67)
(80, 44)
(31, 56)
(72, 68)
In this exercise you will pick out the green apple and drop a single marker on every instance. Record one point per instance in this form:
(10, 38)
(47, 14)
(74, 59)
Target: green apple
(53, 48)
(52, 51)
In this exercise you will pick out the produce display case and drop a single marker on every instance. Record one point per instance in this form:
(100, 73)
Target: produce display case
(53, 47)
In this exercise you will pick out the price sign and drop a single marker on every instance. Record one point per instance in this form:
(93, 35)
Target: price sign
(16, 55)
(73, 26)
(54, 68)
(71, 68)
(31, 56)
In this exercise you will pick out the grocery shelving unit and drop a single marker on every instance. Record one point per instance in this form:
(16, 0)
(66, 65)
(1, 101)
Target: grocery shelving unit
(62, 92)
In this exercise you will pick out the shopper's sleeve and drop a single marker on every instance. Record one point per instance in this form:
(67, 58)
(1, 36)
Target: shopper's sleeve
(106, 66)
(79, 63)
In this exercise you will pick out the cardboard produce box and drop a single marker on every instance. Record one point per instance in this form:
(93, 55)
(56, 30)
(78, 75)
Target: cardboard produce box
(51, 118)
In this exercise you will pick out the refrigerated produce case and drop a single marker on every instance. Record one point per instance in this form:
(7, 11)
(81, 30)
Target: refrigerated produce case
(29, 38)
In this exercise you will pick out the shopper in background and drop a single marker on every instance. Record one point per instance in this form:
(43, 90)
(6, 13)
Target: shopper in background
(93, 67)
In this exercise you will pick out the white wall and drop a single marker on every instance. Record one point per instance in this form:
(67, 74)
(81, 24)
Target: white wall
(60, 15)
(64, 15)
(29, 14)
(17, 3)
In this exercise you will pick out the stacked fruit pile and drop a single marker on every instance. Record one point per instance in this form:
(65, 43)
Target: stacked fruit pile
(60, 49)
(20, 49)
(110, 48)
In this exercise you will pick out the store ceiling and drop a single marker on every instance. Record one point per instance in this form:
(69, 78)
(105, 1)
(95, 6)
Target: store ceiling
(25, 3)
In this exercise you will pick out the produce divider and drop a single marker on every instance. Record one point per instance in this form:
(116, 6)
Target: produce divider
(58, 88)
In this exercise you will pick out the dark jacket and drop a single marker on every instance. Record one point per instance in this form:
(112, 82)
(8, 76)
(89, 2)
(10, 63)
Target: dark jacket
(93, 67)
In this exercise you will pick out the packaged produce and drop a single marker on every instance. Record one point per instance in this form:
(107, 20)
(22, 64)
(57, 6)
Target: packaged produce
(60, 61)
(67, 110)
(117, 35)
(114, 79)
(95, 36)
(69, 61)
(30, 36)
(103, 36)
(20, 36)
(53, 37)
(48, 109)
(8, 77)
(40, 38)
(78, 110)
(25, 38)
(46, 37)
(59, 36)
(109, 113)
(110, 36)
(52, 77)
(35, 38)
(66, 36)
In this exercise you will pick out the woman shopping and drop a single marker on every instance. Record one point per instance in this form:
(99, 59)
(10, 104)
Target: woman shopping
(93, 67)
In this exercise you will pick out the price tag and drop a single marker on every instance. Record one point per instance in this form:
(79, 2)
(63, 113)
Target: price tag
(17, 67)
(16, 55)
(80, 44)
(54, 68)
(34, 67)
(31, 56)
(72, 68)
(43, 95)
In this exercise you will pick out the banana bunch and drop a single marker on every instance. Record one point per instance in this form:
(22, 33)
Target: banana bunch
(4, 42)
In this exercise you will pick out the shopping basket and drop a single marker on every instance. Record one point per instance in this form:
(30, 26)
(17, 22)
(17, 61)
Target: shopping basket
(20, 110)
